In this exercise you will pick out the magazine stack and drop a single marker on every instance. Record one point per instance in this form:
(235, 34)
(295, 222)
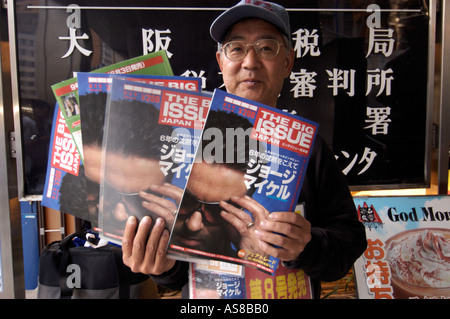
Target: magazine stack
(133, 139)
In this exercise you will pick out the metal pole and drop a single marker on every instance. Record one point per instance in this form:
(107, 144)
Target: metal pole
(11, 253)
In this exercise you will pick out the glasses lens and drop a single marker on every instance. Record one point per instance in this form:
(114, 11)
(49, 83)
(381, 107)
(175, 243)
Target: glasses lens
(210, 211)
(133, 203)
(267, 48)
(188, 204)
(235, 50)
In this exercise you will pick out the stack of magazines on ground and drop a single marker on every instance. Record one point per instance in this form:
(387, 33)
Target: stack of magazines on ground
(125, 140)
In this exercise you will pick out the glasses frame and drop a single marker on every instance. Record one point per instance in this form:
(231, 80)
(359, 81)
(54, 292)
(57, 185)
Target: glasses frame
(254, 44)
(129, 200)
(199, 207)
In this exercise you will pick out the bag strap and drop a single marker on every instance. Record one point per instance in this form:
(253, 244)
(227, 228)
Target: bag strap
(65, 292)
(122, 272)
(65, 245)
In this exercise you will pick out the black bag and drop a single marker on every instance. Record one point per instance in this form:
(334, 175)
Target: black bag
(70, 271)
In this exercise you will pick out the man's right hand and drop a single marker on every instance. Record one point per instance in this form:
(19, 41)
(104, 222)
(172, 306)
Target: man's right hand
(143, 253)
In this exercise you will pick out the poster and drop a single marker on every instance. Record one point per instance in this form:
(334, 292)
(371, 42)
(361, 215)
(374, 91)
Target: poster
(361, 68)
(408, 251)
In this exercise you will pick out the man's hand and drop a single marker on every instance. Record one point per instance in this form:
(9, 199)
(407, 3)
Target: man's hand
(143, 253)
(162, 206)
(289, 231)
(282, 235)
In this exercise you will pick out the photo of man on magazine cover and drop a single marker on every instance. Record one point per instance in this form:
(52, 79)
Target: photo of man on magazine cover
(131, 166)
(212, 216)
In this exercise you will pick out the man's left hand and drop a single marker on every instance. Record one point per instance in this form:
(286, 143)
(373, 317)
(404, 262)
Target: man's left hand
(283, 235)
(290, 232)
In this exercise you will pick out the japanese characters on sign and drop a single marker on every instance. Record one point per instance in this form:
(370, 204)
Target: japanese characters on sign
(359, 72)
(377, 270)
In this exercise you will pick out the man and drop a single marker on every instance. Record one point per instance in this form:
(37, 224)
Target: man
(255, 56)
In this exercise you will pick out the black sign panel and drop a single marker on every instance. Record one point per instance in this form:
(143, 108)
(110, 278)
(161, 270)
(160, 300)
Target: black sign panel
(361, 71)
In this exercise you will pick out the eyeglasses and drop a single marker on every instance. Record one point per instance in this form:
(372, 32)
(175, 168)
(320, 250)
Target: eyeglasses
(265, 48)
(131, 201)
(210, 210)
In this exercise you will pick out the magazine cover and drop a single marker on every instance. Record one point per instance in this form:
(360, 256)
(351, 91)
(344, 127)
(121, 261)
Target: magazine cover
(66, 92)
(249, 153)
(213, 279)
(63, 159)
(93, 90)
(151, 135)
(77, 193)
(408, 251)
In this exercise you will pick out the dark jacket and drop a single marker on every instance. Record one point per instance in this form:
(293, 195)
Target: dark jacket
(338, 238)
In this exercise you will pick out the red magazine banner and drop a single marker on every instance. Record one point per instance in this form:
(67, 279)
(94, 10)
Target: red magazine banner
(183, 110)
(284, 131)
(284, 284)
(69, 88)
(65, 155)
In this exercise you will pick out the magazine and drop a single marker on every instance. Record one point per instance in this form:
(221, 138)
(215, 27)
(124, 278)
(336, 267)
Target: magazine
(213, 279)
(408, 248)
(262, 153)
(80, 193)
(150, 139)
(220, 280)
(66, 92)
(63, 170)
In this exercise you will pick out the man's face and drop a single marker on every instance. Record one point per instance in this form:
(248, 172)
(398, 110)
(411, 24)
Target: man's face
(125, 177)
(92, 162)
(92, 171)
(199, 224)
(253, 77)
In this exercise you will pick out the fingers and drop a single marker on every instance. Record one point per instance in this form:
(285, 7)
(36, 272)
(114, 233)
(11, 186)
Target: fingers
(169, 190)
(284, 235)
(146, 253)
(128, 238)
(159, 207)
(162, 206)
(258, 211)
(133, 242)
(162, 202)
(155, 258)
(236, 217)
(280, 234)
(286, 223)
